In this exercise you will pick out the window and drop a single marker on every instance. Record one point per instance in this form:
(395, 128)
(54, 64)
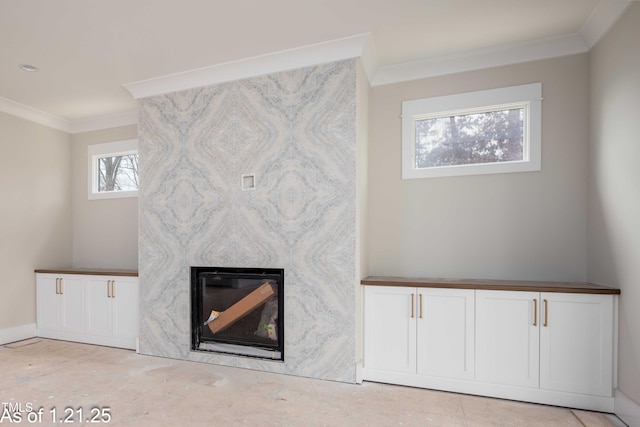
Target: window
(485, 132)
(113, 169)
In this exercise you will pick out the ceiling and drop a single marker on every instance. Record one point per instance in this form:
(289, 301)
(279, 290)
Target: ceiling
(86, 50)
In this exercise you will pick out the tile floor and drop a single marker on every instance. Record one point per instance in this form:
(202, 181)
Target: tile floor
(139, 390)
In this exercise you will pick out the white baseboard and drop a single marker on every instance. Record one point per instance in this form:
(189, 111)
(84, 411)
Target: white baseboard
(17, 333)
(87, 338)
(478, 388)
(626, 409)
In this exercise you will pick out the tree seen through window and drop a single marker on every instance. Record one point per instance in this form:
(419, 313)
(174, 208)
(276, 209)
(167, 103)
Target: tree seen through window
(486, 137)
(118, 173)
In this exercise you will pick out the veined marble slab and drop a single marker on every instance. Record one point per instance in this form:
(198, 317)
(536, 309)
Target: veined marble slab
(295, 131)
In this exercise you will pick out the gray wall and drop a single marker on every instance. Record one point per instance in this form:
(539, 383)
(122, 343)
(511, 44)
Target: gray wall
(528, 225)
(35, 215)
(296, 131)
(105, 232)
(614, 185)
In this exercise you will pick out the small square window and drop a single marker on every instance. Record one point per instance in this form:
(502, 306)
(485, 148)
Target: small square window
(492, 131)
(113, 170)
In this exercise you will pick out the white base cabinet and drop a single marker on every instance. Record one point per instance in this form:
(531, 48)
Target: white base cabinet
(445, 333)
(554, 341)
(576, 343)
(64, 300)
(85, 308)
(508, 339)
(418, 331)
(390, 333)
(544, 347)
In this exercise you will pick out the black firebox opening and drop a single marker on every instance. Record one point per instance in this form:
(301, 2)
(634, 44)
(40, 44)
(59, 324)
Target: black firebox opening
(247, 308)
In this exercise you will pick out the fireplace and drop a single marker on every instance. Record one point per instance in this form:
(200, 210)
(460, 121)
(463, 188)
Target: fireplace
(238, 311)
(301, 137)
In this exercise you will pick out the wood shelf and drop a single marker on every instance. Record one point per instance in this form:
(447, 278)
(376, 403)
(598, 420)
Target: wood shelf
(90, 271)
(500, 285)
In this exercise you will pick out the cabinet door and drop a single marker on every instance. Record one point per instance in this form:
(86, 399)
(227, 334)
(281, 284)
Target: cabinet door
(98, 306)
(125, 308)
(576, 345)
(507, 337)
(49, 302)
(445, 332)
(390, 328)
(73, 308)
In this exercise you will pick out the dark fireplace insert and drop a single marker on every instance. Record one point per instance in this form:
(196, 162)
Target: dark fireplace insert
(238, 311)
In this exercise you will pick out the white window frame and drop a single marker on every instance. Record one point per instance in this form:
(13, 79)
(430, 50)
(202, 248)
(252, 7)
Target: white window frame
(529, 96)
(109, 149)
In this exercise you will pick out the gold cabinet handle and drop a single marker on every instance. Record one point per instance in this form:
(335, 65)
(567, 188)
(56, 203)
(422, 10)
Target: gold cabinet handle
(546, 313)
(421, 306)
(413, 304)
(535, 312)
(111, 289)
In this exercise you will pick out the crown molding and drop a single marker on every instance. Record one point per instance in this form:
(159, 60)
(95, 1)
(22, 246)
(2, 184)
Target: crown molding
(370, 60)
(34, 115)
(69, 126)
(603, 17)
(362, 46)
(480, 59)
(105, 121)
(319, 53)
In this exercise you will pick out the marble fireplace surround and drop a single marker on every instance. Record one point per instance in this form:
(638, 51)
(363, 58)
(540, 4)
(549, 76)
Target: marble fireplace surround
(296, 131)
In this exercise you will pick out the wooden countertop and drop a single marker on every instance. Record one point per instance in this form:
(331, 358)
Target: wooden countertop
(502, 285)
(90, 271)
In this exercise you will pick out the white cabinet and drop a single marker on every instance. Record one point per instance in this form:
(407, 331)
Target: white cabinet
(112, 309)
(576, 343)
(60, 303)
(507, 338)
(419, 331)
(445, 332)
(124, 300)
(545, 347)
(555, 341)
(98, 307)
(88, 308)
(390, 329)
